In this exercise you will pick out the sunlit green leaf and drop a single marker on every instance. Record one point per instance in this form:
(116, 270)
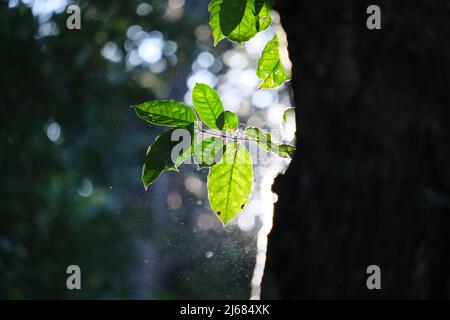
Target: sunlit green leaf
(207, 104)
(238, 20)
(270, 69)
(209, 151)
(167, 113)
(227, 120)
(264, 140)
(161, 155)
(284, 150)
(288, 113)
(230, 182)
(214, 22)
(263, 10)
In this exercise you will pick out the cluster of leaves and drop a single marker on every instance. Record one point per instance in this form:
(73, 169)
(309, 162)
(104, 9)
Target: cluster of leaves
(230, 179)
(220, 147)
(241, 20)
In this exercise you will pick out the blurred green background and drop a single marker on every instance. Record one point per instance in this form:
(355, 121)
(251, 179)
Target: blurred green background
(72, 151)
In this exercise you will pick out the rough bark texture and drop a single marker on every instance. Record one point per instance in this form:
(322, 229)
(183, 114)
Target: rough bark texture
(370, 183)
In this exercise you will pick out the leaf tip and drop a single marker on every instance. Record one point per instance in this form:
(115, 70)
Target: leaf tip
(217, 40)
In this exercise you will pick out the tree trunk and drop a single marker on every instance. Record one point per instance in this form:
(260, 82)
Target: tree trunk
(370, 182)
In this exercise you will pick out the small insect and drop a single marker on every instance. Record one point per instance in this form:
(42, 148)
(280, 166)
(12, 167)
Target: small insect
(218, 213)
(242, 206)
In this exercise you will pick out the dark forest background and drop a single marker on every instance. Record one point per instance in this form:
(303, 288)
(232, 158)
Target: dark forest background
(71, 157)
(369, 184)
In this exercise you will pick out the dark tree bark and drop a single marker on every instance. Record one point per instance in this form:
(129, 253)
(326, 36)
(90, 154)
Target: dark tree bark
(370, 182)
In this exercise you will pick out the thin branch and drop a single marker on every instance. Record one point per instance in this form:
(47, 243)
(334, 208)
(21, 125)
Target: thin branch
(224, 136)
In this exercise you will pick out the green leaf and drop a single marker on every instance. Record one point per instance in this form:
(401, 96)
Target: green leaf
(207, 104)
(230, 182)
(285, 150)
(214, 22)
(270, 69)
(227, 120)
(209, 151)
(264, 140)
(288, 113)
(263, 10)
(167, 113)
(238, 20)
(159, 156)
